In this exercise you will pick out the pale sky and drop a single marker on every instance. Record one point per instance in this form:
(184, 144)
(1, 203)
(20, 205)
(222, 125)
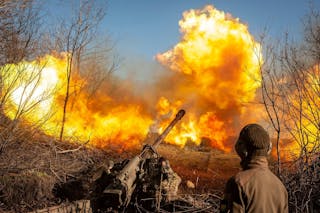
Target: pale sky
(148, 27)
(142, 28)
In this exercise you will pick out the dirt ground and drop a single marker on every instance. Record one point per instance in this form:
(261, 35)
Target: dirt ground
(208, 170)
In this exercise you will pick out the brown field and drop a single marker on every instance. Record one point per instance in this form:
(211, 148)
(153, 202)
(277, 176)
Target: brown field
(208, 169)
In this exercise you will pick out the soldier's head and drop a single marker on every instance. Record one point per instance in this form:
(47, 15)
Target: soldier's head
(163, 162)
(253, 141)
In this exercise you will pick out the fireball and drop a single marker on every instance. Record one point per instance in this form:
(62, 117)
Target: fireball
(213, 69)
(217, 57)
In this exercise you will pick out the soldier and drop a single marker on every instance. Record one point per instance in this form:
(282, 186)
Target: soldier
(256, 188)
(170, 180)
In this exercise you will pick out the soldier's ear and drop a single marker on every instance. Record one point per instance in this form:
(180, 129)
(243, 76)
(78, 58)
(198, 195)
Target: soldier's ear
(241, 148)
(269, 148)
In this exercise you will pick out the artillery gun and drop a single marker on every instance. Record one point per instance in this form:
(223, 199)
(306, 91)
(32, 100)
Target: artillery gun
(114, 192)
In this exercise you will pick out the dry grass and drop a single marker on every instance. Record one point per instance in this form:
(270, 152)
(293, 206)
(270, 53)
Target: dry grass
(26, 190)
(302, 180)
(32, 164)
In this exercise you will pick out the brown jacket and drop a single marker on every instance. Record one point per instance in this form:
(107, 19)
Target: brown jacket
(256, 189)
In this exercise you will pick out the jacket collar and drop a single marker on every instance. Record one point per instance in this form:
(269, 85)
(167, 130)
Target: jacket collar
(255, 162)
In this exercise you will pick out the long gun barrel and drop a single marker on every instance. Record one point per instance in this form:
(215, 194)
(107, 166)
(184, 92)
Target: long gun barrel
(164, 134)
(179, 115)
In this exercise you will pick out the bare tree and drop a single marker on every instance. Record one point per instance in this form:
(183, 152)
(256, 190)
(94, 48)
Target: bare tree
(290, 87)
(19, 40)
(19, 35)
(291, 94)
(76, 35)
(300, 64)
(97, 67)
(271, 92)
(19, 30)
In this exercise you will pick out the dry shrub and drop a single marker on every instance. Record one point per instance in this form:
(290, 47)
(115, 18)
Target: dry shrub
(27, 190)
(32, 163)
(302, 180)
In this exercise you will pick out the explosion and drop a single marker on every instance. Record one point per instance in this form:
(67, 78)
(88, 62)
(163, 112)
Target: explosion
(41, 87)
(212, 73)
(302, 116)
(217, 66)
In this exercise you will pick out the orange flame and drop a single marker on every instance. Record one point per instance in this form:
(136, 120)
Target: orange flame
(215, 72)
(216, 58)
(302, 115)
(121, 124)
